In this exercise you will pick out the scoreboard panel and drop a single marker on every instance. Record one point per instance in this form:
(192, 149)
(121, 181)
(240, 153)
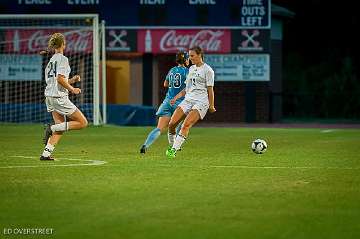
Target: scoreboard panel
(241, 14)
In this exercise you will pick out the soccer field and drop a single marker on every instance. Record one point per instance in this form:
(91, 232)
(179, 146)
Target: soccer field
(307, 184)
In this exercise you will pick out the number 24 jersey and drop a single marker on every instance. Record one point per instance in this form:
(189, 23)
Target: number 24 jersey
(58, 65)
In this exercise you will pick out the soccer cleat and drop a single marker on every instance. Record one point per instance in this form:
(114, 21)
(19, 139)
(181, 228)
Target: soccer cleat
(143, 149)
(171, 153)
(50, 158)
(47, 134)
(170, 147)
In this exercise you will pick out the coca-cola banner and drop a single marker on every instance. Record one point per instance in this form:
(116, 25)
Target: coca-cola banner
(29, 41)
(121, 39)
(250, 40)
(170, 41)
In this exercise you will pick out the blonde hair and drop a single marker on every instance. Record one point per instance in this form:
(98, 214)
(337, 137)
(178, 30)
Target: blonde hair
(198, 51)
(56, 41)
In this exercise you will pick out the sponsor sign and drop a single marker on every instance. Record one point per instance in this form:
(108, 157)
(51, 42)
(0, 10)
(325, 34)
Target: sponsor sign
(30, 41)
(240, 67)
(250, 40)
(20, 67)
(170, 41)
(121, 40)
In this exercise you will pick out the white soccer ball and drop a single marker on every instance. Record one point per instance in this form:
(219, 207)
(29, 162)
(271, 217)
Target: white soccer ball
(259, 146)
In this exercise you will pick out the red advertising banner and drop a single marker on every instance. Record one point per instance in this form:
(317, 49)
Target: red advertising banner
(29, 41)
(170, 41)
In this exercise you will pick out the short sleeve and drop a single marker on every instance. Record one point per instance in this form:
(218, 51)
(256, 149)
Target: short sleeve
(209, 76)
(186, 72)
(62, 67)
(167, 78)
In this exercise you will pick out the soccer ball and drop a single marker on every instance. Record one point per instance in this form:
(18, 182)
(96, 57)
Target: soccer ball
(259, 146)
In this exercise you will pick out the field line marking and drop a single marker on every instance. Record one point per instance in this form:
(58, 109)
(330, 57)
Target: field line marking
(279, 167)
(327, 130)
(239, 166)
(87, 162)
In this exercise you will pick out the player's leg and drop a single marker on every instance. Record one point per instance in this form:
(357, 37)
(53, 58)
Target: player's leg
(54, 138)
(178, 127)
(58, 119)
(65, 107)
(189, 121)
(155, 133)
(176, 118)
(77, 121)
(49, 101)
(198, 111)
(163, 123)
(163, 114)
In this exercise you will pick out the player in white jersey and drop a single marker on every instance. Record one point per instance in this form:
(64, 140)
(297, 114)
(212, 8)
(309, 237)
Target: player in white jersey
(199, 98)
(58, 86)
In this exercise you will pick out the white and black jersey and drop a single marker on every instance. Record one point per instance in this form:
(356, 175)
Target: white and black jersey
(197, 81)
(58, 65)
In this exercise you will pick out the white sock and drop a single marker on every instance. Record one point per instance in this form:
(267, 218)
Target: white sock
(48, 150)
(59, 127)
(179, 140)
(171, 138)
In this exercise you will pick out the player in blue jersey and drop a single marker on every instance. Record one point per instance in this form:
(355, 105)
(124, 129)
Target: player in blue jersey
(175, 81)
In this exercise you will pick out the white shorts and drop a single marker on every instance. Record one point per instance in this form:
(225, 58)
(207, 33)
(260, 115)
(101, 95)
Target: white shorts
(61, 105)
(201, 107)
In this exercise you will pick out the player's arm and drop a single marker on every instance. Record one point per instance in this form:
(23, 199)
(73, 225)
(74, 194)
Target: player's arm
(46, 52)
(211, 96)
(74, 79)
(178, 96)
(210, 77)
(167, 79)
(64, 83)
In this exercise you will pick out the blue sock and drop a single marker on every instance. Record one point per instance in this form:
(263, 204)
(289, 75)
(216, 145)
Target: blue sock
(153, 135)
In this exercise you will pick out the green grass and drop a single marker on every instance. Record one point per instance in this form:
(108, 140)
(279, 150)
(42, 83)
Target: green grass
(307, 185)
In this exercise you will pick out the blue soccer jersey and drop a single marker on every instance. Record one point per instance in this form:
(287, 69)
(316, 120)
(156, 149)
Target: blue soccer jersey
(176, 78)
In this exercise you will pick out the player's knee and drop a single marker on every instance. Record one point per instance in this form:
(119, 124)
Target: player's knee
(84, 123)
(172, 125)
(186, 126)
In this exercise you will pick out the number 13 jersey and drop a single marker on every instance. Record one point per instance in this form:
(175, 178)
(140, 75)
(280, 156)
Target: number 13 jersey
(58, 65)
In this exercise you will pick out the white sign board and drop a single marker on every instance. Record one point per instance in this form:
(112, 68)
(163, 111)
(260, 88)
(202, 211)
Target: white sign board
(240, 67)
(20, 67)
